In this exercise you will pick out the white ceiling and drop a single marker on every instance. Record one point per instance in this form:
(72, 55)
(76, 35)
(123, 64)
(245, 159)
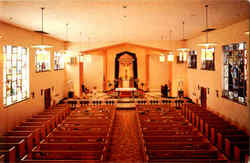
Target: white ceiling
(104, 20)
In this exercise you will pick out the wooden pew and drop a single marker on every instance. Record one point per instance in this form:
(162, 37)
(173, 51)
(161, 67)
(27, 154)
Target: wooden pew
(52, 118)
(172, 145)
(87, 122)
(9, 154)
(170, 132)
(36, 134)
(38, 125)
(156, 127)
(197, 116)
(78, 133)
(166, 123)
(211, 132)
(187, 138)
(230, 142)
(189, 154)
(241, 153)
(42, 121)
(3, 158)
(202, 120)
(75, 139)
(83, 129)
(192, 160)
(27, 139)
(222, 136)
(67, 154)
(178, 145)
(19, 143)
(80, 138)
(29, 159)
(59, 117)
(210, 125)
(203, 124)
(87, 146)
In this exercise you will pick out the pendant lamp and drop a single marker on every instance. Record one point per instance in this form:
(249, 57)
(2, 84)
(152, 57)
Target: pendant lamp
(183, 51)
(170, 54)
(207, 44)
(42, 46)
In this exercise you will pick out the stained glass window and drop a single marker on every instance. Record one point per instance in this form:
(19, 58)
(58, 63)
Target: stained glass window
(235, 72)
(207, 59)
(42, 60)
(58, 61)
(16, 74)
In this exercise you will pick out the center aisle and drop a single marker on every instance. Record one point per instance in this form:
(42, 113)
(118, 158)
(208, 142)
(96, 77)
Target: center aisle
(125, 144)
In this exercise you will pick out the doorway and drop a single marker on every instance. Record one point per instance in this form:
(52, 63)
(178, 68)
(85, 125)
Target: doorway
(47, 98)
(203, 97)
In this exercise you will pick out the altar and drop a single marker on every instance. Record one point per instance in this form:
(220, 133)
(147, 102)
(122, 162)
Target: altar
(126, 92)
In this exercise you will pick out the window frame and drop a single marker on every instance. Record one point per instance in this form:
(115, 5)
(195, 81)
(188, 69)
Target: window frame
(60, 57)
(208, 66)
(192, 53)
(15, 74)
(36, 60)
(230, 55)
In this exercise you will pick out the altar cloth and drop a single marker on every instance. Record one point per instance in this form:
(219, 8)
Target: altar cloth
(125, 89)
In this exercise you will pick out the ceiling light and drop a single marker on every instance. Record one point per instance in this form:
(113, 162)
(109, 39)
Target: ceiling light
(42, 45)
(171, 54)
(183, 51)
(207, 44)
(65, 51)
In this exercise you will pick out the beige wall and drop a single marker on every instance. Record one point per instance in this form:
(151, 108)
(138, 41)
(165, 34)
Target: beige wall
(13, 114)
(93, 72)
(158, 72)
(213, 79)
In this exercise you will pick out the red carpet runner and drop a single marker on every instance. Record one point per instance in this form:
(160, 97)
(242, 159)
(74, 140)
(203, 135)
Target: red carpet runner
(125, 143)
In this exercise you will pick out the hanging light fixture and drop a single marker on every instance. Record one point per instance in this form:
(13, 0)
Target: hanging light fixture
(67, 54)
(81, 57)
(42, 46)
(183, 51)
(170, 54)
(86, 58)
(207, 44)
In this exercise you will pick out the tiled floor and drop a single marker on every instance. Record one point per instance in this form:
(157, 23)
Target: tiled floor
(125, 146)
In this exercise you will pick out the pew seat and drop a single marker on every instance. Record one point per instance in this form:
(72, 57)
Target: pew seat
(168, 154)
(66, 155)
(26, 159)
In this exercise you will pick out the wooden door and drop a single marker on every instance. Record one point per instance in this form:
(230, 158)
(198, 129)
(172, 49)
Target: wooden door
(203, 97)
(47, 98)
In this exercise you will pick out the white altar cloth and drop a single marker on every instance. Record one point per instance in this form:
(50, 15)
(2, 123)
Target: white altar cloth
(125, 89)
